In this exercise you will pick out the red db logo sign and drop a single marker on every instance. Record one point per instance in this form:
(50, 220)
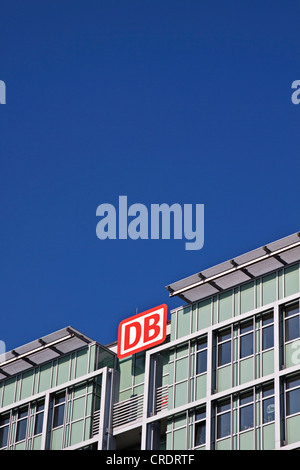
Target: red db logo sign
(142, 331)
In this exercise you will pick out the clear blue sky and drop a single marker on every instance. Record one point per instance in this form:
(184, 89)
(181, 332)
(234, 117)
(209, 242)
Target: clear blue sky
(162, 101)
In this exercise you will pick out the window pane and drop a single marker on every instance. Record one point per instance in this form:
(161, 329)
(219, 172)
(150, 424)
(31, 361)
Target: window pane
(268, 390)
(293, 401)
(223, 425)
(266, 319)
(21, 430)
(201, 362)
(224, 335)
(3, 436)
(293, 382)
(292, 328)
(246, 417)
(268, 410)
(201, 344)
(246, 398)
(59, 399)
(245, 327)
(224, 353)
(59, 412)
(200, 434)
(246, 345)
(224, 406)
(267, 337)
(292, 310)
(38, 427)
(4, 420)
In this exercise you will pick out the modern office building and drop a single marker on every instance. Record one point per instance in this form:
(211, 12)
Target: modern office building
(226, 377)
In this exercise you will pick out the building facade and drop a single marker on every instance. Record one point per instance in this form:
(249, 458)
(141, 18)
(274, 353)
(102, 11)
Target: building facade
(226, 377)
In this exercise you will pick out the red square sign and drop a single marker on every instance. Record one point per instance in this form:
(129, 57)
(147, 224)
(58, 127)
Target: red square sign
(142, 331)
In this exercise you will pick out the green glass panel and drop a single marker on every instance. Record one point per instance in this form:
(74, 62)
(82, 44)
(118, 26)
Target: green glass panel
(246, 370)
(20, 446)
(92, 365)
(194, 318)
(215, 310)
(44, 377)
(247, 440)
(181, 394)
(63, 370)
(268, 362)
(79, 390)
(56, 441)
(293, 429)
(88, 429)
(76, 432)
(201, 386)
(291, 280)
(37, 443)
(225, 306)
(169, 441)
(258, 287)
(138, 390)
(179, 439)
(139, 368)
(204, 314)
(170, 397)
(81, 363)
(27, 384)
(292, 354)
(179, 421)
(280, 284)
(8, 392)
(268, 433)
(225, 444)
(182, 351)
(224, 378)
(236, 302)
(89, 404)
(183, 322)
(247, 297)
(269, 288)
(125, 367)
(181, 369)
(78, 408)
(125, 395)
(165, 380)
(173, 325)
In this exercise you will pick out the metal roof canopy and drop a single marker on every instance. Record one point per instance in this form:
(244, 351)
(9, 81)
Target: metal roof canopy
(41, 350)
(241, 269)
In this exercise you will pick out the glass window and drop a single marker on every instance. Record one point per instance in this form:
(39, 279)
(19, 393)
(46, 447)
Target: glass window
(59, 410)
(246, 339)
(223, 425)
(201, 362)
(246, 417)
(292, 324)
(293, 402)
(4, 428)
(292, 328)
(22, 424)
(268, 337)
(224, 418)
(39, 418)
(200, 430)
(246, 343)
(224, 354)
(268, 410)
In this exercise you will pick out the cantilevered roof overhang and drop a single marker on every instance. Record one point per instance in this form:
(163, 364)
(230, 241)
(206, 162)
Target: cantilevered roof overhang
(41, 350)
(236, 271)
